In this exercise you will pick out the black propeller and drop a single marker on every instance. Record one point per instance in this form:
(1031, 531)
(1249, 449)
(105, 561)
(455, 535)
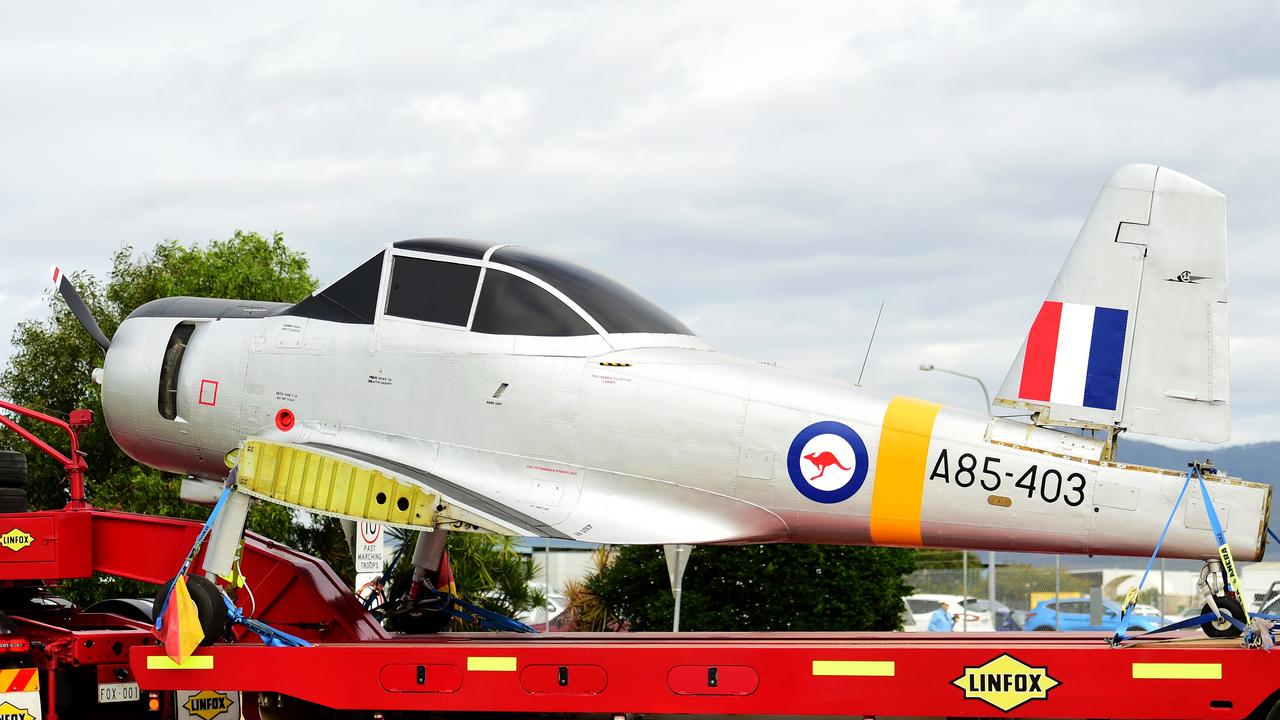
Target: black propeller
(79, 309)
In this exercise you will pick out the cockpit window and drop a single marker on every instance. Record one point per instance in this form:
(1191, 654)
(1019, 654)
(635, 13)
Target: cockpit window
(456, 247)
(353, 299)
(511, 305)
(617, 308)
(439, 292)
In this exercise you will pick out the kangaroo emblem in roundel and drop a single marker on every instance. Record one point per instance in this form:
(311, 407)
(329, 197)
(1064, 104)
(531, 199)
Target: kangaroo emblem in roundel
(823, 461)
(827, 462)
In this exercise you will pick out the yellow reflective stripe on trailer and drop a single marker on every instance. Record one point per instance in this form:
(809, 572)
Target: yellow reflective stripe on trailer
(195, 662)
(854, 668)
(1177, 671)
(491, 664)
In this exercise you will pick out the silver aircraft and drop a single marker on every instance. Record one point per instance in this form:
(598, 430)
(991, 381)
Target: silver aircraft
(495, 387)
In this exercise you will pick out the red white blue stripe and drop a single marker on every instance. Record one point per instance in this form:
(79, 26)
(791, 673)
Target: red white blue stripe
(1074, 355)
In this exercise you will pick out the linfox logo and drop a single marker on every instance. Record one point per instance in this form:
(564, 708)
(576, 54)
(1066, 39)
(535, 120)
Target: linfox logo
(9, 711)
(15, 540)
(1005, 683)
(208, 704)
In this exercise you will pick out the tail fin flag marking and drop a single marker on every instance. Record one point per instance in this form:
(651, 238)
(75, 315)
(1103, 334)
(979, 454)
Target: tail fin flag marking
(1042, 347)
(1074, 355)
(1106, 356)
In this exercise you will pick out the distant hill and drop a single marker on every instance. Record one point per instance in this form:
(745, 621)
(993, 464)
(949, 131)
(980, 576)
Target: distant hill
(1257, 462)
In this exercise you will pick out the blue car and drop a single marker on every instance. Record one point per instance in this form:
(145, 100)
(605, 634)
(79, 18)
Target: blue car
(1073, 614)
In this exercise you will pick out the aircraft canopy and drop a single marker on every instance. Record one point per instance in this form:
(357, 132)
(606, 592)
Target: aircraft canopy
(520, 292)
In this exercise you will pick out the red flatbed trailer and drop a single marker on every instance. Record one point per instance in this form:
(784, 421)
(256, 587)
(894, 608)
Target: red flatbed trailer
(858, 674)
(356, 669)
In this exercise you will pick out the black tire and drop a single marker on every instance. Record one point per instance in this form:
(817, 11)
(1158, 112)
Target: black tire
(1222, 628)
(13, 469)
(420, 621)
(13, 500)
(139, 609)
(210, 608)
(1269, 709)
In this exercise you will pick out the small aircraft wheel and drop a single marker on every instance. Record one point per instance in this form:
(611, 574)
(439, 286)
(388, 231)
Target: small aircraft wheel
(420, 621)
(209, 606)
(1222, 628)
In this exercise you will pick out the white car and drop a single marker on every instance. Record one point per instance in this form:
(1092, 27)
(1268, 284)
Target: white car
(909, 623)
(539, 616)
(1152, 611)
(923, 605)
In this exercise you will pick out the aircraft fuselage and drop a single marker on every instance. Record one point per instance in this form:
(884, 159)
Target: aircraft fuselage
(581, 438)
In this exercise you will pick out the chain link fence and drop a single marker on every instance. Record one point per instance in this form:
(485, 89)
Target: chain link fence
(1044, 597)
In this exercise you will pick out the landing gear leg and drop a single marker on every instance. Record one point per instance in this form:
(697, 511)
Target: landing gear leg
(427, 553)
(222, 552)
(1212, 587)
(226, 536)
(425, 613)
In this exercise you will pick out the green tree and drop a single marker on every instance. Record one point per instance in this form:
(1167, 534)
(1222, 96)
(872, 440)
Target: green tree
(490, 572)
(760, 587)
(51, 367)
(586, 612)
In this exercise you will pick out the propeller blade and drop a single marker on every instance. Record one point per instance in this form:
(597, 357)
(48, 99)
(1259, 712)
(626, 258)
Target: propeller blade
(79, 309)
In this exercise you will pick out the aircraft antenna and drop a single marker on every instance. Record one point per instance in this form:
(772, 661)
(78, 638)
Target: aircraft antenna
(870, 342)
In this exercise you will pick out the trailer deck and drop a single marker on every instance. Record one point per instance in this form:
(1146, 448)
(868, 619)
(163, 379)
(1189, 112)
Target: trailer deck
(890, 674)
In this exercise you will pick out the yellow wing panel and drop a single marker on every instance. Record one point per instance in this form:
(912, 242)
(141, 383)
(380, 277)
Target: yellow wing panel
(314, 481)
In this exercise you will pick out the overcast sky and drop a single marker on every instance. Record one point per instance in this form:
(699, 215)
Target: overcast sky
(768, 172)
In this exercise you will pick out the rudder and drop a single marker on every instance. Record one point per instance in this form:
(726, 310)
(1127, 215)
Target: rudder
(1133, 334)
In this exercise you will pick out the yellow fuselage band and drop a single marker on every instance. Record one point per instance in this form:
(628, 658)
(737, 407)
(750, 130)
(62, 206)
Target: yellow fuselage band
(898, 491)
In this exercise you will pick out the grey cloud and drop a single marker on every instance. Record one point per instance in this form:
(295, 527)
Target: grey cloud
(770, 175)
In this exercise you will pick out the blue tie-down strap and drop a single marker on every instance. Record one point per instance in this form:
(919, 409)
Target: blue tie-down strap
(1261, 632)
(486, 619)
(195, 547)
(1123, 623)
(270, 636)
(1187, 624)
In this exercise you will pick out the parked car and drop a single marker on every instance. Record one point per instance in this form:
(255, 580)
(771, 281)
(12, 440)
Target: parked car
(909, 623)
(1270, 607)
(923, 605)
(1005, 619)
(1073, 614)
(1152, 611)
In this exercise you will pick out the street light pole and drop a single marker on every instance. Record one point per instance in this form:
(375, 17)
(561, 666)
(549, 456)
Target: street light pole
(926, 367)
(991, 555)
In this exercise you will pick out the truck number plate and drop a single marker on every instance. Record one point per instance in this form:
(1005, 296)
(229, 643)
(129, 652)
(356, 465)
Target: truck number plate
(118, 692)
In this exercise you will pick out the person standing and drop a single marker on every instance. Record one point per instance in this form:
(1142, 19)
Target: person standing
(941, 620)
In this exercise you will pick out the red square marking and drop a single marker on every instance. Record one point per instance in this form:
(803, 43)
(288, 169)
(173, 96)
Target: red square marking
(209, 392)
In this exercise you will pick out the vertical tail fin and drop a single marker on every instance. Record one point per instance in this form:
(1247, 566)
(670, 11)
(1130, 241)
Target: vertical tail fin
(1133, 334)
